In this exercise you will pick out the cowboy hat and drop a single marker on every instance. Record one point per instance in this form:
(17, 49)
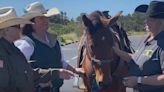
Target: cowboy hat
(37, 9)
(106, 13)
(9, 18)
(155, 9)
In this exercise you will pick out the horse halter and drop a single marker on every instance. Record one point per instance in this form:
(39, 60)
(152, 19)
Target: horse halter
(100, 62)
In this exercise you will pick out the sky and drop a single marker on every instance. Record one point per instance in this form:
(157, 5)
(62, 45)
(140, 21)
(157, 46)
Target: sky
(74, 8)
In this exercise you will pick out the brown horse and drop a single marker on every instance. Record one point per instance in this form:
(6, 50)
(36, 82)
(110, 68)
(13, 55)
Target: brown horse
(100, 58)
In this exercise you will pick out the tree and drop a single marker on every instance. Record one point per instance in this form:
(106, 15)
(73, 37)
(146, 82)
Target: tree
(132, 22)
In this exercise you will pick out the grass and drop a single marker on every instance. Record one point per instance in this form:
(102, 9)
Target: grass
(67, 38)
(136, 33)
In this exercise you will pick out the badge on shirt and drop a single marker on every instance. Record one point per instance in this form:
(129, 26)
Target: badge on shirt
(148, 53)
(1, 63)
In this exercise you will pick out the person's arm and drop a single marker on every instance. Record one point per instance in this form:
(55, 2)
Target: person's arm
(155, 80)
(79, 71)
(45, 75)
(122, 54)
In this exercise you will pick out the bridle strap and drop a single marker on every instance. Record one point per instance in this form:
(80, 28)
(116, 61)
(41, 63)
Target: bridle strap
(100, 62)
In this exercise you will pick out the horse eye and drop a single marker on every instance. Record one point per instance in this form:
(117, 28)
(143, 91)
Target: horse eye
(92, 46)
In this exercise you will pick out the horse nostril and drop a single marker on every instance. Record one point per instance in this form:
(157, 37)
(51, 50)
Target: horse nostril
(100, 84)
(103, 85)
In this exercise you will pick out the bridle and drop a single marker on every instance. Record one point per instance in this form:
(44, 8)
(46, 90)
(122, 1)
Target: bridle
(99, 62)
(93, 59)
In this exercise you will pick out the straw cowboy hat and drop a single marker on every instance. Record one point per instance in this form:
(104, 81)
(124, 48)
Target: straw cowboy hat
(155, 9)
(9, 18)
(37, 9)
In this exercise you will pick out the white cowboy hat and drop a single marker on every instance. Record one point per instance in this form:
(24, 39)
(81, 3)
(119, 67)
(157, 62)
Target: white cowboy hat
(9, 18)
(37, 9)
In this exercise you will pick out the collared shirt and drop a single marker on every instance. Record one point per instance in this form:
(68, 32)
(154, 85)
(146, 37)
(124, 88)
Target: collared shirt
(149, 60)
(150, 54)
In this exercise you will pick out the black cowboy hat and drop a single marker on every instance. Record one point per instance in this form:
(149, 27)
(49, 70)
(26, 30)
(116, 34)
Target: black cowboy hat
(155, 9)
(106, 11)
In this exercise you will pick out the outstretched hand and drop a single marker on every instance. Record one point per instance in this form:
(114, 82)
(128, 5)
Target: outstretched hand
(119, 13)
(65, 74)
(80, 71)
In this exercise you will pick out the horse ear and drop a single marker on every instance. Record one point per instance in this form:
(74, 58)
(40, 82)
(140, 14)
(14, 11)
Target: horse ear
(87, 22)
(114, 18)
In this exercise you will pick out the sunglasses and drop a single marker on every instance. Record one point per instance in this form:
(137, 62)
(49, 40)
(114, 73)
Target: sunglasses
(16, 26)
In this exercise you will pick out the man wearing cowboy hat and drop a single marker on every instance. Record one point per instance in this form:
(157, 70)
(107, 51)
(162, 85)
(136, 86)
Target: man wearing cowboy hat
(16, 75)
(43, 48)
(146, 66)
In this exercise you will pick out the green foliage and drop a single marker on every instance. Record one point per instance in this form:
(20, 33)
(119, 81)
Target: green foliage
(134, 22)
(136, 32)
(72, 27)
(71, 37)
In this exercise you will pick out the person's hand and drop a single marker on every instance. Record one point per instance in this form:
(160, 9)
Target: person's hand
(130, 81)
(65, 74)
(80, 71)
(119, 13)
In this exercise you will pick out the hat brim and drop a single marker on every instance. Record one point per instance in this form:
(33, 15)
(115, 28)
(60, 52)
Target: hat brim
(141, 8)
(14, 21)
(31, 15)
(105, 11)
(50, 12)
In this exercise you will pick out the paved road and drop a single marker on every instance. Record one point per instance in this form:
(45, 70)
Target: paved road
(136, 40)
(70, 55)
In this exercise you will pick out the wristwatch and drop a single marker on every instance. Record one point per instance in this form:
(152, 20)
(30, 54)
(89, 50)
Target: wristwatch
(139, 80)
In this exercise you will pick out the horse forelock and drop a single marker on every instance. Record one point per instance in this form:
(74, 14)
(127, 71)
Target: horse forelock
(95, 19)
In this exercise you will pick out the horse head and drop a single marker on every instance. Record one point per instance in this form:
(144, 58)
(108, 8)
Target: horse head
(99, 42)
